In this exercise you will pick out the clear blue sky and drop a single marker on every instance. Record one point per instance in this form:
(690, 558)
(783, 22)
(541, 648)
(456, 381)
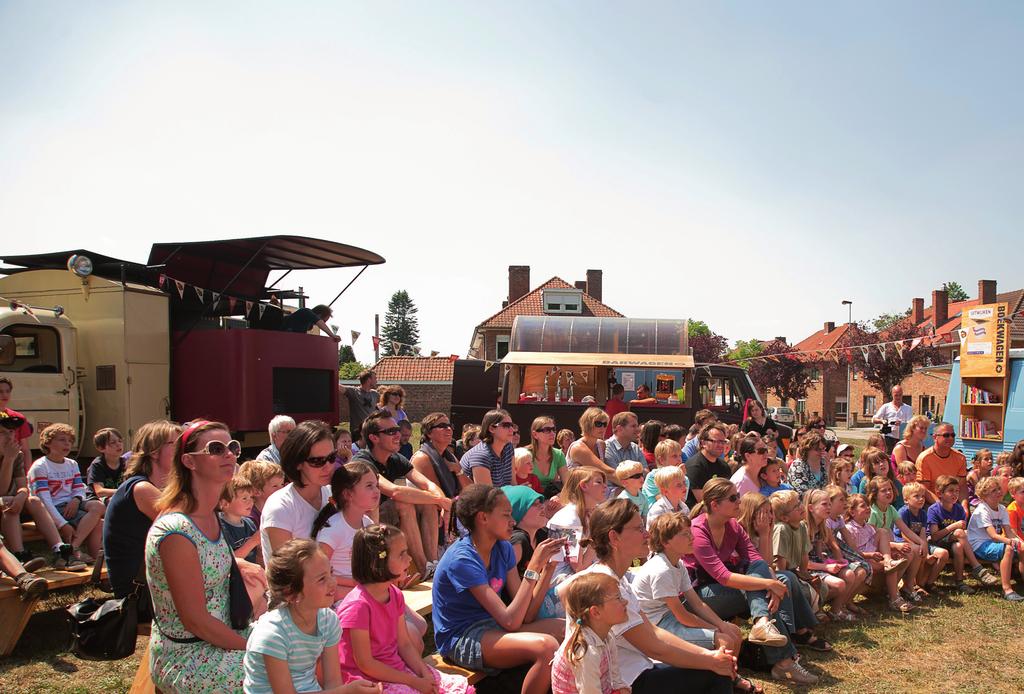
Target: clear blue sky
(748, 164)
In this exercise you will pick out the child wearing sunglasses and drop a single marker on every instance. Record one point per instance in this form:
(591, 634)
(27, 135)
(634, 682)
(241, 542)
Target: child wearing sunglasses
(630, 475)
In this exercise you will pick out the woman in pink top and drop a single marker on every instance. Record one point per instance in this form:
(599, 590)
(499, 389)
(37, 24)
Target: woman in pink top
(732, 578)
(752, 454)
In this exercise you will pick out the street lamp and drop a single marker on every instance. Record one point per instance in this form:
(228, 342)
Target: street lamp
(849, 372)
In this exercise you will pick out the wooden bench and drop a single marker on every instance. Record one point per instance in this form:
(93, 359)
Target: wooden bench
(29, 533)
(15, 612)
(435, 661)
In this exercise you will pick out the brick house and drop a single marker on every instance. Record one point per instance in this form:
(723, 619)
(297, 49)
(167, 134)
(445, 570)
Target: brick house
(925, 389)
(555, 297)
(427, 382)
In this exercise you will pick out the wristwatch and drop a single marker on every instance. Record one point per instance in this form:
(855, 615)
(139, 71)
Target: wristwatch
(531, 575)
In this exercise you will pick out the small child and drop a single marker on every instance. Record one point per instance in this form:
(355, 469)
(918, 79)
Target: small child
(991, 539)
(791, 544)
(874, 547)
(826, 560)
(106, 471)
(523, 467)
(375, 643)
(354, 496)
(405, 438)
(672, 488)
(630, 475)
(667, 453)
(770, 477)
(238, 528)
(792, 453)
(878, 463)
(1016, 508)
(840, 473)
(1004, 473)
(300, 633)
(662, 583)
(265, 478)
(915, 517)
(880, 495)
(342, 447)
(947, 524)
(565, 438)
(587, 662)
(875, 440)
(981, 466)
(906, 472)
(837, 497)
(57, 481)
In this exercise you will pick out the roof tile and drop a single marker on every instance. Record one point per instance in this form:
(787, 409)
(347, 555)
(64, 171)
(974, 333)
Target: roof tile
(404, 369)
(531, 304)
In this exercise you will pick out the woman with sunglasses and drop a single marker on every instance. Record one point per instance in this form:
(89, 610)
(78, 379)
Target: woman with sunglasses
(192, 647)
(490, 461)
(436, 461)
(289, 513)
(548, 462)
(589, 449)
(752, 456)
(732, 578)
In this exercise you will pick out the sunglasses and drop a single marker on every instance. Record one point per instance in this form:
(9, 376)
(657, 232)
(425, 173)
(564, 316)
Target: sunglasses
(11, 423)
(445, 425)
(506, 425)
(390, 431)
(733, 498)
(600, 423)
(545, 430)
(319, 461)
(637, 476)
(945, 436)
(220, 448)
(761, 451)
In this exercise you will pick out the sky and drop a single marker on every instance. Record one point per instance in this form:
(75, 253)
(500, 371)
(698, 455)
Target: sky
(747, 164)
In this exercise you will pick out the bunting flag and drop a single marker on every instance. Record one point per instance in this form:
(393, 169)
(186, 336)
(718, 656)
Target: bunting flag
(453, 358)
(248, 307)
(396, 346)
(181, 288)
(915, 342)
(963, 336)
(376, 342)
(416, 351)
(434, 352)
(216, 298)
(866, 353)
(355, 336)
(899, 348)
(200, 292)
(488, 364)
(261, 307)
(881, 350)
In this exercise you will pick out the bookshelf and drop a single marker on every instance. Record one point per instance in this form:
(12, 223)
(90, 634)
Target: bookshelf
(984, 376)
(982, 408)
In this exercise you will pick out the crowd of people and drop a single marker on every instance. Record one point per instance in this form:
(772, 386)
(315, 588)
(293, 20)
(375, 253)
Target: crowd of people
(621, 558)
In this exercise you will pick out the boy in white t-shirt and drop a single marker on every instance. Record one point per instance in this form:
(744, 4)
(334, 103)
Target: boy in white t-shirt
(671, 483)
(663, 580)
(57, 481)
(989, 536)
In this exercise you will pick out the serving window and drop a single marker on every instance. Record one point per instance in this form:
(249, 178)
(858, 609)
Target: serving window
(584, 379)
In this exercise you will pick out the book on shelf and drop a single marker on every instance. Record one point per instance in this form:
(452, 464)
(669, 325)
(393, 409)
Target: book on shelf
(973, 428)
(972, 395)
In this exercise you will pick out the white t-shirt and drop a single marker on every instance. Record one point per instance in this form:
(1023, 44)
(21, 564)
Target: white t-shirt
(286, 510)
(631, 661)
(566, 518)
(656, 581)
(985, 516)
(339, 536)
(743, 482)
(661, 507)
(888, 413)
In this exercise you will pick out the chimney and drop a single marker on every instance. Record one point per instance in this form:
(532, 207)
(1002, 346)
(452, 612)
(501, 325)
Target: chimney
(829, 327)
(594, 284)
(781, 339)
(986, 291)
(940, 307)
(518, 282)
(581, 285)
(917, 311)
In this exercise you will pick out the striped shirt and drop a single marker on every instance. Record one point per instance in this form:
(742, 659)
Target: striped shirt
(56, 483)
(597, 672)
(276, 635)
(482, 455)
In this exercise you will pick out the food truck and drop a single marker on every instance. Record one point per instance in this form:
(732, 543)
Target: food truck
(988, 411)
(96, 341)
(558, 366)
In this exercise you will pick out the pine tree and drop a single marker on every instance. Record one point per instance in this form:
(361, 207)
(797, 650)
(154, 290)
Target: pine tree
(400, 325)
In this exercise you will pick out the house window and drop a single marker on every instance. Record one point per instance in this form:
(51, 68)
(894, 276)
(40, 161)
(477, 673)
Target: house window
(870, 407)
(500, 347)
(840, 409)
(801, 407)
(562, 301)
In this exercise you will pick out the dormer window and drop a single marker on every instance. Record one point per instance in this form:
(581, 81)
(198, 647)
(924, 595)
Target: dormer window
(562, 301)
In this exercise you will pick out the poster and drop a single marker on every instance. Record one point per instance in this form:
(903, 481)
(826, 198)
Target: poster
(983, 341)
(628, 381)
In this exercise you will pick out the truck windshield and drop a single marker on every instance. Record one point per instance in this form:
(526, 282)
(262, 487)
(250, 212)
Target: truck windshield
(36, 349)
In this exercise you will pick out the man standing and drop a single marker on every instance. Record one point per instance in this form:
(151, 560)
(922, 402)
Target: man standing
(361, 402)
(416, 495)
(894, 414)
(622, 446)
(279, 428)
(941, 459)
(707, 463)
(615, 405)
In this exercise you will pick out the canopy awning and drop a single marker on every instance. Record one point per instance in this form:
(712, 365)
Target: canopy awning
(640, 361)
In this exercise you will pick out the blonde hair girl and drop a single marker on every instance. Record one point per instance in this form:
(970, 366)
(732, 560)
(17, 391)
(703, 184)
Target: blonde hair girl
(587, 660)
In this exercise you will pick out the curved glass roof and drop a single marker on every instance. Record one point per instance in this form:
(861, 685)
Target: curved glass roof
(586, 334)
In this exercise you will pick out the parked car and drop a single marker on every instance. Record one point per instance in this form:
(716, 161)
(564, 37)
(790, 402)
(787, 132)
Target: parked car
(782, 415)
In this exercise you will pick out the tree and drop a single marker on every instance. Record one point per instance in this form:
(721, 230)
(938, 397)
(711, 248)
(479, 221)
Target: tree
(885, 370)
(955, 291)
(708, 347)
(786, 374)
(887, 320)
(351, 369)
(744, 350)
(401, 325)
(345, 354)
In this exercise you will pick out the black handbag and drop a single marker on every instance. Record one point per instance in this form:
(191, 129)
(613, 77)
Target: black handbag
(107, 629)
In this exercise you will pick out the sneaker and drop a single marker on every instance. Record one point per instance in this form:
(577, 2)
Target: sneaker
(765, 633)
(64, 558)
(911, 595)
(32, 586)
(1013, 596)
(83, 557)
(794, 673)
(428, 572)
(34, 564)
(893, 564)
(965, 589)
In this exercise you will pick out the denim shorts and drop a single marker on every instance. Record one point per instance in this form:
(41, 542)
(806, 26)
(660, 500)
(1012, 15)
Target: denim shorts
(990, 550)
(79, 515)
(705, 638)
(468, 651)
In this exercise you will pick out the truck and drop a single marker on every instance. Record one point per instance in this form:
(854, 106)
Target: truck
(558, 366)
(93, 341)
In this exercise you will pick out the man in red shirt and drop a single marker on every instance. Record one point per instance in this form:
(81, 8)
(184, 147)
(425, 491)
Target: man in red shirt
(614, 405)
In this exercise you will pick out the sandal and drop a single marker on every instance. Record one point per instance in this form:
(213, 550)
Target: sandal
(901, 605)
(844, 616)
(853, 609)
(810, 640)
(746, 685)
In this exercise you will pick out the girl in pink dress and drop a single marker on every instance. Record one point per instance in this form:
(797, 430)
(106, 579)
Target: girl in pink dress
(375, 643)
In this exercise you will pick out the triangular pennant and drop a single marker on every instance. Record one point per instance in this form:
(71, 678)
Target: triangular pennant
(248, 307)
(453, 358)
(866, 353)
(963, 336)
(434, 352)
(488, 364)
(881, 350)
(416, 351)
(899, 348)
(396, 347)
(261, 308)
(200, 293)
(216, 298)
(355, 336)
(915, 342)
(181, 288)
(376, 342)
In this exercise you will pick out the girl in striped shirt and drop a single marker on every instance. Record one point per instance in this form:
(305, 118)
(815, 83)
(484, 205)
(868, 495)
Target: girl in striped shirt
(587, 662)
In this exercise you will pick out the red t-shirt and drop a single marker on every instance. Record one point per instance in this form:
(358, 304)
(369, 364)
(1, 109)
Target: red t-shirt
(531, 481)
(612, 408)
(25, 430)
